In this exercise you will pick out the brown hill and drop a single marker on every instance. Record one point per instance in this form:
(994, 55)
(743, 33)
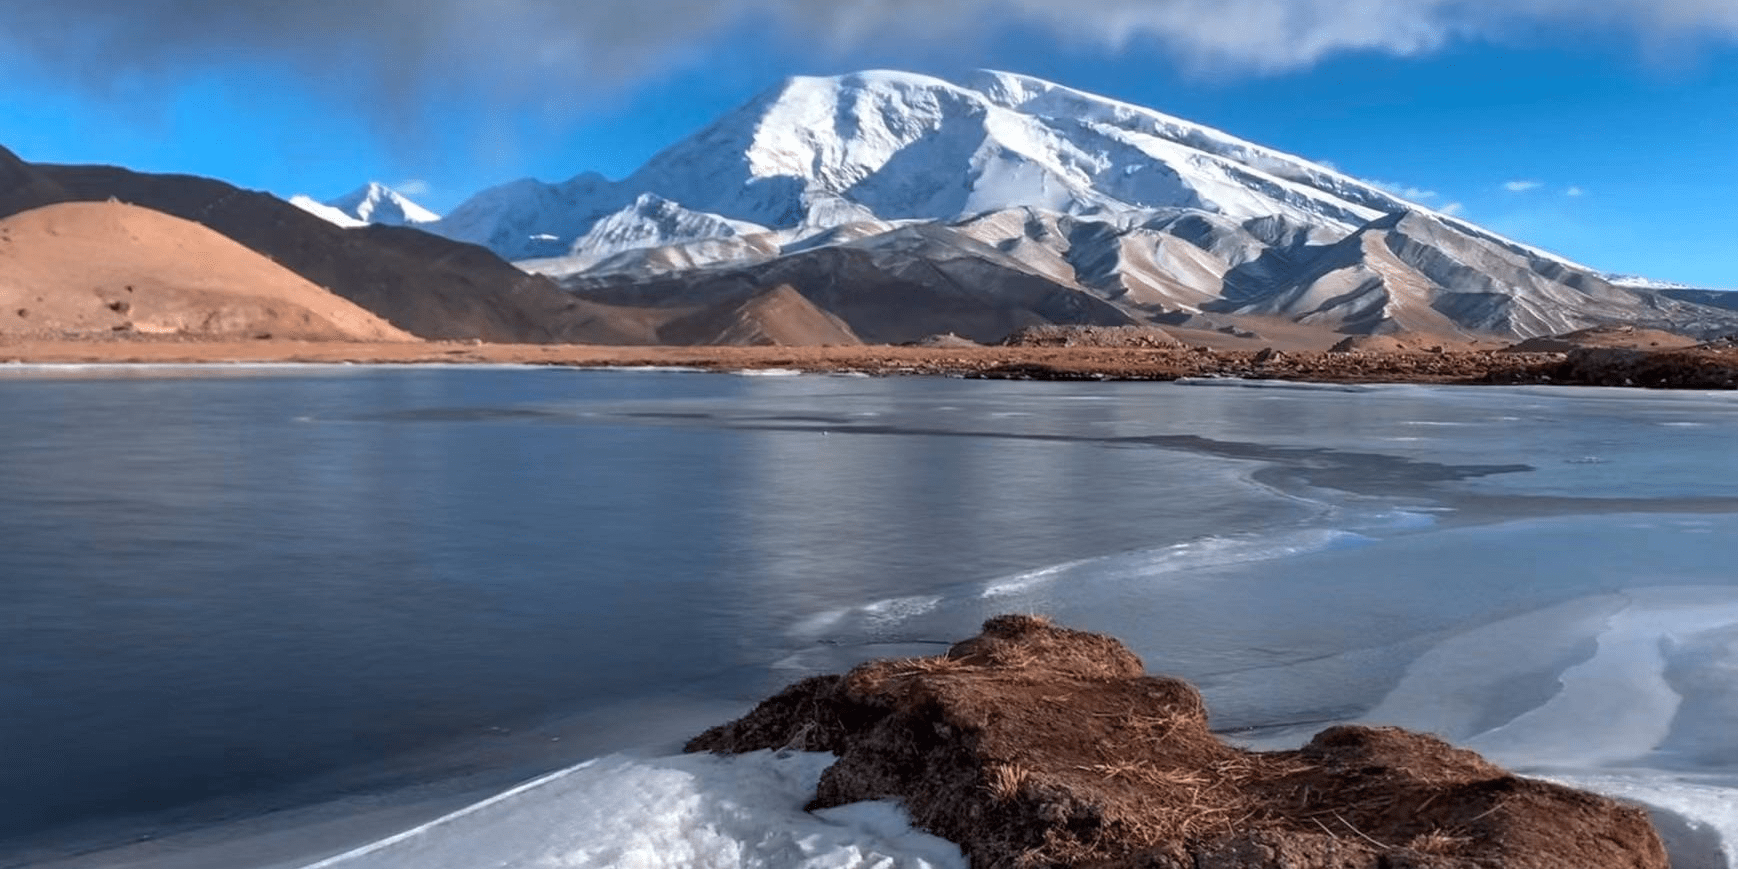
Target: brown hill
(87, 268)
(1032, 745)
(429, 286)
(780, 316)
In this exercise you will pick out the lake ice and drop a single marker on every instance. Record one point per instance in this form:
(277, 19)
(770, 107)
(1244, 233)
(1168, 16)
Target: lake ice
(324, 587)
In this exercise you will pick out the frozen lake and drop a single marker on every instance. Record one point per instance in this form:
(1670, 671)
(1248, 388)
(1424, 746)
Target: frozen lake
(359, 598)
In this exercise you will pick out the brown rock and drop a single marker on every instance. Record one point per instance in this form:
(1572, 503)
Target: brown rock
(1033, 745)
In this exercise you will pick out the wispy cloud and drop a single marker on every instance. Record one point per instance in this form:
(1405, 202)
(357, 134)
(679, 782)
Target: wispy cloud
(1522, 186)
(413, 187)
(1575, 191)
(1453, 209)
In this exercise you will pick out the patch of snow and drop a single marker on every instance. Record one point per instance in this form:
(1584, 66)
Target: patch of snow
(687, 811)
(326, 212)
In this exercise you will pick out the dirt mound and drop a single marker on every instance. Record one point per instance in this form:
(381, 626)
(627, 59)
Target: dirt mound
(780, 317)
(1033, 745)
(1091, 336)
(1383, 344)
(105, 268)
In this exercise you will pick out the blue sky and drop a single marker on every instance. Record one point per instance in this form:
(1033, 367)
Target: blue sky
(1605, 130)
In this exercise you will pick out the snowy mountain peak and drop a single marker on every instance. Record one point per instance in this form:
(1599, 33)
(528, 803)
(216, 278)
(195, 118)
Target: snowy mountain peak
(377, 203)
(814, 153)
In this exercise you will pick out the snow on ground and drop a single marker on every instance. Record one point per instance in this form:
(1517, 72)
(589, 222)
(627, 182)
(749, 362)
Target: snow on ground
(684, 811)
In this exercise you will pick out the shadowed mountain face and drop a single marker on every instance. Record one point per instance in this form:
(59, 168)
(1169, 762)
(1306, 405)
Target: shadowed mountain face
(1725, 299)
(22, 187)
(1409, 273)
(429, 286)
(905, 286)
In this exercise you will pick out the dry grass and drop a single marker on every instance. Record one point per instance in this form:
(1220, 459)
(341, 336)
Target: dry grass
(1439, 842)
(1007, 780)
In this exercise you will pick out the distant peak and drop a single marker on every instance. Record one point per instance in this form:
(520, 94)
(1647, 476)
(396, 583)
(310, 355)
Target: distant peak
(375, 202)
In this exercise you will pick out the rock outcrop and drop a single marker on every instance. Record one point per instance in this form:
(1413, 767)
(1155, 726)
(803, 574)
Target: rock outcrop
(1032, 745)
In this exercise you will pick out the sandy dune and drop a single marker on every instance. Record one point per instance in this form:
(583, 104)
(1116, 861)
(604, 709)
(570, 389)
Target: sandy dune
(90, 268)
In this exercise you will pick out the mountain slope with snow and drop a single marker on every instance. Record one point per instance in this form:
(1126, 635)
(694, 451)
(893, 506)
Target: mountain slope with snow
(1154, 217)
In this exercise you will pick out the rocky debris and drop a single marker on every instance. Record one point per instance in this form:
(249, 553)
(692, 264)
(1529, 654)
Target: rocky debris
(1091, 336)
(944, 340)
(1037, 746)
(1701, 369)
(1373, 344)
(1542, 345)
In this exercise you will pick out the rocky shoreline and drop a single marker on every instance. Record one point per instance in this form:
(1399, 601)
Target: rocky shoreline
(1037, 746)
(1705, 367)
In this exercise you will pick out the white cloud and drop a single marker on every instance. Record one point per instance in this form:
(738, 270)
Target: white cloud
(413, 187)
(1453, 209)
(1522, 186)
(1575, 191)
(1404, 191)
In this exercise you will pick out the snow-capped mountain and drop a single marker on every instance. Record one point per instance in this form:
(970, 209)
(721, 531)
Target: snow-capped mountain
(1160, 219)
(815, 153)
(372, 203)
